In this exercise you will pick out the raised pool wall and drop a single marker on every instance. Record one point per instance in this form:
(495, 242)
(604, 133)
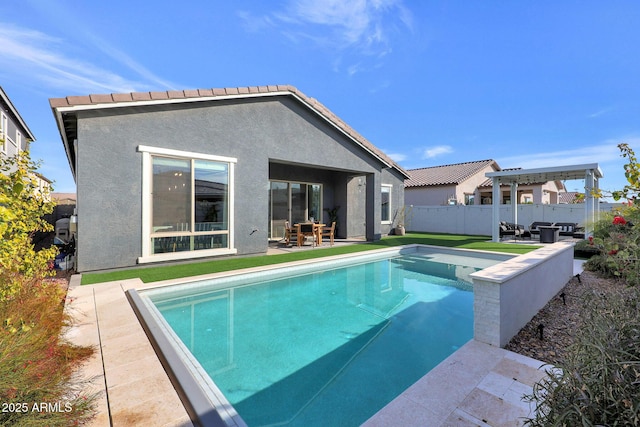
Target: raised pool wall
(509, 294)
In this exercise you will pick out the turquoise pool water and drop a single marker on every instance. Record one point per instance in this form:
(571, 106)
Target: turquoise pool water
(331, 347)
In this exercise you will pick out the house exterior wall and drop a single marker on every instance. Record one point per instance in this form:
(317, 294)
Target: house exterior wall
(276, 131)
(429, 196)
(15, 139)
(439, 195)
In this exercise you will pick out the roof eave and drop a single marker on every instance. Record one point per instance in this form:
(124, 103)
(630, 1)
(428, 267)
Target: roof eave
(17, 115)
(59, 110)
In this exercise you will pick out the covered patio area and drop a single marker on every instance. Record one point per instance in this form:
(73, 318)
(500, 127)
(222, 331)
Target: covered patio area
(590, 173)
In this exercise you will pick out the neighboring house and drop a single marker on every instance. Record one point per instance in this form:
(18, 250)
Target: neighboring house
(175, 175)
(571, 197)
(16, 137)
(535, 193)
(455, 184)
(467, 184)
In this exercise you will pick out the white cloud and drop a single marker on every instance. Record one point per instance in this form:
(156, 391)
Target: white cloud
(601, 112)
(362, 27)
(435, 151)
(397, 157)
(603, 153)
(39, 57)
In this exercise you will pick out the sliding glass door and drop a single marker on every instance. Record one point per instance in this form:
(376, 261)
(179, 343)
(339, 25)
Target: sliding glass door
(294, 202)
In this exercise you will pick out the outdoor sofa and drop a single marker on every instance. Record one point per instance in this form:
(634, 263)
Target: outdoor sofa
(534, 230)
(510, 229)
(570, 229)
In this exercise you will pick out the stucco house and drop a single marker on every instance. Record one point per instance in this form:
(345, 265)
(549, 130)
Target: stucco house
(455, 184)
(173, 175)
(466, 184)
(549, 192)
(16, 137)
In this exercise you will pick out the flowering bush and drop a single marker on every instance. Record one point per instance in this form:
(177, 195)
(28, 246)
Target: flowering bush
(616, 237)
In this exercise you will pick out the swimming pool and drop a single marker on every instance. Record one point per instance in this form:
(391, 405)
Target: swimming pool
(328, 344)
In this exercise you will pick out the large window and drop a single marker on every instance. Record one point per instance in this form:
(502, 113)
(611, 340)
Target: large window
(385, 200)
(187, 204)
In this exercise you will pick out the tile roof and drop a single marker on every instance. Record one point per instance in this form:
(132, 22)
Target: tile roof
(61, 105)
(569, 197)
(446, 174)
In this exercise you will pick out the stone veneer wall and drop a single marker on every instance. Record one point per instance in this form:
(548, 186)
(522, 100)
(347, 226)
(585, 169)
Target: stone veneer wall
(509, 294)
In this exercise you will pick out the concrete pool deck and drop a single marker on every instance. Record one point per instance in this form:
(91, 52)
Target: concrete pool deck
(477, 385)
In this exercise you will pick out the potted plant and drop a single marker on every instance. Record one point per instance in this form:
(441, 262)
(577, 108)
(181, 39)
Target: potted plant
(399, 230)
(333, 217)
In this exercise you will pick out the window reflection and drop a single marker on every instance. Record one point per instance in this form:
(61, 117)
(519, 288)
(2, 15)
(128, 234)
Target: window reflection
(190, 205)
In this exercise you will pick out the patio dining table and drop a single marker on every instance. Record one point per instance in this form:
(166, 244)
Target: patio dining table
(317, 230)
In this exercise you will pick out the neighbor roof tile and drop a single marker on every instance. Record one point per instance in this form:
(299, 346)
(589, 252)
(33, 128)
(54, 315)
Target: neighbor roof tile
(446, 174)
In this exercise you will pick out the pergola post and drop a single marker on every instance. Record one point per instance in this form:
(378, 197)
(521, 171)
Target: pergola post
(589, 203)
(495, 228)
(514, 201)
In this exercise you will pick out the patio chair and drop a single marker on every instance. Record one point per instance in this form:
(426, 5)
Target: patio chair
(328, 232)
(305, 230)
(290, 233)
(570, 229)
(509, 229)
(534, 230)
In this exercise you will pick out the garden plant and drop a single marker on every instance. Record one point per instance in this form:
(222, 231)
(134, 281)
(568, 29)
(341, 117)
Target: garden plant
(599, 383)
(37, 385)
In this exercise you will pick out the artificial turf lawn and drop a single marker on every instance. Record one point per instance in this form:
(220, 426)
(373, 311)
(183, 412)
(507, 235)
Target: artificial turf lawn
(174, 271)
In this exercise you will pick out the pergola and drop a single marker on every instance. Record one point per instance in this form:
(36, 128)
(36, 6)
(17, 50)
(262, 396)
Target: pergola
(591, 173)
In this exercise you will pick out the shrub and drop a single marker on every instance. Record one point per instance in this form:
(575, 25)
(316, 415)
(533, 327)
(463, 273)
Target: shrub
(616, 236)
(599, 384)
(36, 364)
(22, 206)
(617, 241)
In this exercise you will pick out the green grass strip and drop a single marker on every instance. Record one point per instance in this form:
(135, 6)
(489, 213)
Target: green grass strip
(175, 271)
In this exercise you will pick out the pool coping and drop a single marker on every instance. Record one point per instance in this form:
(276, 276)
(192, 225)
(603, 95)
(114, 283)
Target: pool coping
(98, 300)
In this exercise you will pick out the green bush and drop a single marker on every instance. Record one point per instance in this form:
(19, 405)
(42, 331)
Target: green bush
(599, 384)
(22, 206)
(617, 240)
(616, 236)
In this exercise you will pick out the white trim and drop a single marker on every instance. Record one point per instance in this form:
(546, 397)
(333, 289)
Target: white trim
(231, 194)
(168, 101)
(390, 187)
(4, 125)
(185, 154)
(174, 256)
(146, 202)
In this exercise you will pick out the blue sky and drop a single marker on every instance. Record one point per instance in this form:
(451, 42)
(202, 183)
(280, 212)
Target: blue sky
(529, 84)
